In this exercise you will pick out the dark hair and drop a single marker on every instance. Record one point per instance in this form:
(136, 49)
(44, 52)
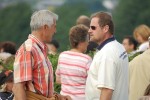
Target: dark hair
(8, 46)
(147, 91)
(77, 34)
(104, 19)
(131, 41)
(5, 76)
(91, 47)
(55, 43)
(83, 20)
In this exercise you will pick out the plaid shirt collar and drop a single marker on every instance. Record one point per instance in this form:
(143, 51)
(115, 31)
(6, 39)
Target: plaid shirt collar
(40, 44)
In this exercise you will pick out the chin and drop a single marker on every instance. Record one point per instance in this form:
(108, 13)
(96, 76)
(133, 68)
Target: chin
(93, 40)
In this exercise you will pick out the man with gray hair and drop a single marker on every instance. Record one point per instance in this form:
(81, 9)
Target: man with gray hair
(33, 73)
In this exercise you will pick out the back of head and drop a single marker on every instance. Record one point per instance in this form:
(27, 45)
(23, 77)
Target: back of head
(83, 20)
(78, 34)
(143, 31)
(8, 47)
(41, 18)
(104, 19)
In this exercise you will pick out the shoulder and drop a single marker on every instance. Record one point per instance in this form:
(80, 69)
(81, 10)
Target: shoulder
(75, 54)
(64, 53)
(136, 60)
(114, 45)
(28, 44)
(143, 46)
(112, 48)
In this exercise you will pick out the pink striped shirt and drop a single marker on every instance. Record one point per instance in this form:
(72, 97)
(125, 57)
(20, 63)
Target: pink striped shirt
(72, 69)
(32, 65)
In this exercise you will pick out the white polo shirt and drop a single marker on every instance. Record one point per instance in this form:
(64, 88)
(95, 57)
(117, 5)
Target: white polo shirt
(109, 69)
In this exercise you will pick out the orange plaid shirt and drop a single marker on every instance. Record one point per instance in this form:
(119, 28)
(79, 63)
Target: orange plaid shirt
(33, 66)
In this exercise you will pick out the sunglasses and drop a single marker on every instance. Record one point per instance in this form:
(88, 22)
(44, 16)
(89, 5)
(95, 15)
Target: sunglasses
(93, 27)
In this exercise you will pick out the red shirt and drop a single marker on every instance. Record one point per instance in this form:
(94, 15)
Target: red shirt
(32, 65)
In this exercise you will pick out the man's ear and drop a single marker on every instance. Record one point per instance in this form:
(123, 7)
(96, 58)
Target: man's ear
(106, 28)
(45, 26)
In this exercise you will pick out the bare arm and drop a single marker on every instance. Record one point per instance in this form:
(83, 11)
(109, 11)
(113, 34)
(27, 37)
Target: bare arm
(58, 80)
(19, 91)
(106, 94)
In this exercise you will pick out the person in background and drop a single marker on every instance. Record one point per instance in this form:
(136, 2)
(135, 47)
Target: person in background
(108, 74)
(7, 49)
(85, 20)
(53, 47)
(33, 72)
(73, 64)
(141, 34)
(6, 85)
(139, 76)
(8, 46)
(130, 44)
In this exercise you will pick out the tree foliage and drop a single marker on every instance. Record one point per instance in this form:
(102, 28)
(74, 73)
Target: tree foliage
(54, 61)
(68, 13)
(14, 24)
(129, 14)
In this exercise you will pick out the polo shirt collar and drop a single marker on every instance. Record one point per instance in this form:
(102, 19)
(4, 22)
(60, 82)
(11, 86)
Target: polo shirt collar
(105, 42)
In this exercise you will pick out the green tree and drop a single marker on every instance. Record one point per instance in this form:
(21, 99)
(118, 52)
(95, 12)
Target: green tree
(54, 61)
(14, 24)
(129, 14)
(68, 13)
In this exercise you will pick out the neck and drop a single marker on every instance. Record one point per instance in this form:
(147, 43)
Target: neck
(38, 35)
(76, 50)
(107, 36)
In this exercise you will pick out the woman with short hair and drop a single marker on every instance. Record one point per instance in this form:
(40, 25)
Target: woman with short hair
(73, 64)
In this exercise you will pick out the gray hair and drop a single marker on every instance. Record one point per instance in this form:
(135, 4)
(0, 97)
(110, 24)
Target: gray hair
(41, 18)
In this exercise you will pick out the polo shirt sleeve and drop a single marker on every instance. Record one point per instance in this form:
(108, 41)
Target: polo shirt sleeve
(106, 73)
(23, 67)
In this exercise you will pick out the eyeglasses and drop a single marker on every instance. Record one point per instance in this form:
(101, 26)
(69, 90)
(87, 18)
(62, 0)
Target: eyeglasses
(93, 27)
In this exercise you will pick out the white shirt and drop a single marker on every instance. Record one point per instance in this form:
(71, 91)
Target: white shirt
(144, 46)
(109, 69)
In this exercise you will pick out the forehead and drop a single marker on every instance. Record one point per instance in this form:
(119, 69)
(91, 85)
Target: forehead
(94, 21)
(125, 40)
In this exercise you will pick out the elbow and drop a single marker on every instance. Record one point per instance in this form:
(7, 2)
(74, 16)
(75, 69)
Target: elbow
(58, 81)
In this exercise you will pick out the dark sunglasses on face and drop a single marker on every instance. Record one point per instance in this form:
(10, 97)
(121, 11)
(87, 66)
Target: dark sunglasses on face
(93, 27)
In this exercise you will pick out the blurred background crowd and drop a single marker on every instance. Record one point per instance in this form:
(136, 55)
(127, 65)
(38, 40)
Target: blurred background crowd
(131, 19)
